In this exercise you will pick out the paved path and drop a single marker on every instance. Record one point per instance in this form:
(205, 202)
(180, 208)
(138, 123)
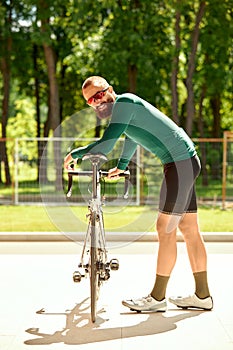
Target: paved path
(41, 307)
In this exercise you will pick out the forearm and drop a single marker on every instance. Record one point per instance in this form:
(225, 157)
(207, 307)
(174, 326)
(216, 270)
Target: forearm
(129, 149)
(104, 145)
(78, 153)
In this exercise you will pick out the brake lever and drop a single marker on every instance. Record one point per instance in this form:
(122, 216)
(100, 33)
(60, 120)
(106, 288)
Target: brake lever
(70, 183)
(127, 182)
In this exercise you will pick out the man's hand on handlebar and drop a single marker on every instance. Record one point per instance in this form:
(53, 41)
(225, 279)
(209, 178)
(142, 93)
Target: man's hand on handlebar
(114, 173)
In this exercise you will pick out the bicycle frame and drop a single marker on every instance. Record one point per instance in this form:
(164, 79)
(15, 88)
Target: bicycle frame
(95, 207)
(97, 266)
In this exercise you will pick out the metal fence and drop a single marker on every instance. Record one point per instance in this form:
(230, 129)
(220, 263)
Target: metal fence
(37, 176)
(46, 182)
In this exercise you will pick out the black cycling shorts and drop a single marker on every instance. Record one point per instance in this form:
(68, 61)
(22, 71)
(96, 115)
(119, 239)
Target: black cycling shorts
(177, 194)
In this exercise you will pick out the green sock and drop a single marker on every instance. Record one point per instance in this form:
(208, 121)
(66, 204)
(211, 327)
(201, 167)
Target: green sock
(202, 289)
(160, 286)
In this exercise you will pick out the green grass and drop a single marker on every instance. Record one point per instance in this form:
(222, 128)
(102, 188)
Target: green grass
(138, 219)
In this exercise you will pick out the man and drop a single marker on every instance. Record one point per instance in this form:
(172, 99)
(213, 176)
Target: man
(145, 125)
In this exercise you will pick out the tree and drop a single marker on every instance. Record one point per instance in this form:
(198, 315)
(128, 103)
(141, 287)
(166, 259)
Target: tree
(165, 52)
(214, 78)
(133, 49)
(191, 69)
(175, 66)
(44, 16)
(5, 67)
(23, 126)
(215, 71)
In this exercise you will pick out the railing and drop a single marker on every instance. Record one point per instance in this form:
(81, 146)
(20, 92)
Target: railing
(32, 162)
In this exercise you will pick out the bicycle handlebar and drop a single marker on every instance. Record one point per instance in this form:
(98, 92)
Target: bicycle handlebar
(72, 173)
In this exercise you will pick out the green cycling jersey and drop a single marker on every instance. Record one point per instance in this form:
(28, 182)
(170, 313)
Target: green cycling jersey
(143, 125)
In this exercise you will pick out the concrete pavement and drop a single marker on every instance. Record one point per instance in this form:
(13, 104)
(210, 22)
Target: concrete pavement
(41, 307)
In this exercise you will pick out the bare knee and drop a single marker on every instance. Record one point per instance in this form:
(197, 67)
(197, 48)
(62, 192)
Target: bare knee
(184, 227)
(189, 232)
(167, 224)
(165, 234)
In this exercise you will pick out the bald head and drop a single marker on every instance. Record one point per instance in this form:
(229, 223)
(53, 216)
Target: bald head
(92, 85)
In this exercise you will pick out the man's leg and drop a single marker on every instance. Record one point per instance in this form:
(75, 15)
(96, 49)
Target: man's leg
(198, 260)
(196, 251)
(166, 227)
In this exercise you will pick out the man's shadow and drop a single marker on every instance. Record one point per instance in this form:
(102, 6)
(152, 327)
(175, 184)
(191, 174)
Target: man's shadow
(80, 330)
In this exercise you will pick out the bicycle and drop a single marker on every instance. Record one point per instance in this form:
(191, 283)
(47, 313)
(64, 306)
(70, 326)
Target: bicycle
(97, 265)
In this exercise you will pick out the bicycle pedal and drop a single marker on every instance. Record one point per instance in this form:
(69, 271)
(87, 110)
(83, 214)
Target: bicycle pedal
(114, 264)
(77, 276)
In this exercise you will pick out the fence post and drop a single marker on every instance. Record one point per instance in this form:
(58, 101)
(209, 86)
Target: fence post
(224, 170)
(227, 136)
(16, 180)
(138, 164)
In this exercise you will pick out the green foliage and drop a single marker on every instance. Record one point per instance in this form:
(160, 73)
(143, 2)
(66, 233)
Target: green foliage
(107, 37)
(22, 125)
(134, 34)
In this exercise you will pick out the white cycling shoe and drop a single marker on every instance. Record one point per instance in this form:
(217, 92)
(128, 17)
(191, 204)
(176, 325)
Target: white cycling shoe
(192, 302)
(146, 304)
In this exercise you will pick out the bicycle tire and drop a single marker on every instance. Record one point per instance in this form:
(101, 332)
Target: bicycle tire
(94, 276)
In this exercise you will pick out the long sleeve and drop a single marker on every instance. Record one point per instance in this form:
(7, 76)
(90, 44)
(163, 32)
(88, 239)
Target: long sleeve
(105, 144)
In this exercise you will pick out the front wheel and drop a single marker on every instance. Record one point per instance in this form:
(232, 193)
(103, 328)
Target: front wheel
(94, 276)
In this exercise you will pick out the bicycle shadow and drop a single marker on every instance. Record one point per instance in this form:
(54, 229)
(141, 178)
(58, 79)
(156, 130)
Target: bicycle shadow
(80, 330)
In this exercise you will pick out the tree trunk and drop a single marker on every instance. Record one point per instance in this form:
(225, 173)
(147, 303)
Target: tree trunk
(215, 103)
(202, 144)
(37, 97)
(132, 78)
(54, 102)
(5, 107)
(43, 153)
(54, 110)
(97, 127)
(5, 69)
(175, 69)
(190, 108)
